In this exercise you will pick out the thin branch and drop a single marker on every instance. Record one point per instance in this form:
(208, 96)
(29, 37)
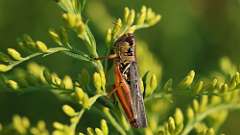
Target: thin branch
(203, 115)
(49, 52)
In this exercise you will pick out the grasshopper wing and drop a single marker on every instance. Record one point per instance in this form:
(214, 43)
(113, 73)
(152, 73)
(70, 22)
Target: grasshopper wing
(137, 98)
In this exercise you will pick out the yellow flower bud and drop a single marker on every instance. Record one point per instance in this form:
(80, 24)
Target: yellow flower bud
(25, 122)
(131, 29)
(148, 131)
(155, 20)
(71, 19)
(195, 105)
(171, 124)
(237, 77)
(79, 93)
(224, 88)
(90, 131)
(191, 74)
(109, 36)
(214, 83)
(67, 82)
(106, 110)
(215, 100)
(219, 85)
(53, 34)
(178, 116)
(126, 14)
(150, 14)
(58, 132)
(58, 125)
(74, 119)
(12, 84)
(104, 127)
(131, 17)
(200, 128)
(14, 54)
(55, 79)
(198, 87)
(210, 131)
(41, 125)
(161, 131)
(35, 69)
(98, 131)
(80, 27)
(227, 66)
(97, 81)
(203, 103)
(3, 68)
(233, 84)
(55, 37)
(150, 82)
(68, 110)
(117, 27)
(86, 102)
(103, 78)
(142, 16)
(153, 82)
(187, 81)
(41, 46)
(34, 131)
(18, 124)
(190, 113)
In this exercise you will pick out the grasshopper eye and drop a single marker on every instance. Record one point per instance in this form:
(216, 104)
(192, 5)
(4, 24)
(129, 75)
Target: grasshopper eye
(130, 50)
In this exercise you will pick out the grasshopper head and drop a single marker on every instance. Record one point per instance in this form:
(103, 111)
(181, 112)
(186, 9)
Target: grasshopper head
(125, 47)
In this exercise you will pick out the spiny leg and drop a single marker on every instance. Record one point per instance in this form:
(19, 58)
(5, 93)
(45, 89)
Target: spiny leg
(111, 56)
(115, 88)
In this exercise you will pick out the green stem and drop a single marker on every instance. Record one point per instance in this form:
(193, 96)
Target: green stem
(93, 51)
(94, 98)
(115, 123)
(203, 115)
(49, 52)
(136, 27)
(74, 125)
(158, 96)
(80, 114)
(106, 61)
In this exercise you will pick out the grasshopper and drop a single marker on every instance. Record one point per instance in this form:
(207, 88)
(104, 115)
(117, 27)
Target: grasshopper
(127, 84)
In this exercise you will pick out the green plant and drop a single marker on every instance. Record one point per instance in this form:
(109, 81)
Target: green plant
(206, 102)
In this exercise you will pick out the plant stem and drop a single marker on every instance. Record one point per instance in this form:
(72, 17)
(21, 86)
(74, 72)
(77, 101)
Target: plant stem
(203, 115)
(115, 123)
(74, 125)
(49, 52)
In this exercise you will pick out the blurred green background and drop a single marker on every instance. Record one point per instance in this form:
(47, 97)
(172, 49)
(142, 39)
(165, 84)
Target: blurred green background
(193, 34)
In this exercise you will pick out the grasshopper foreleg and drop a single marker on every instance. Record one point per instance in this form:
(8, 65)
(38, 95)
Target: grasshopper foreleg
(111, 56)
